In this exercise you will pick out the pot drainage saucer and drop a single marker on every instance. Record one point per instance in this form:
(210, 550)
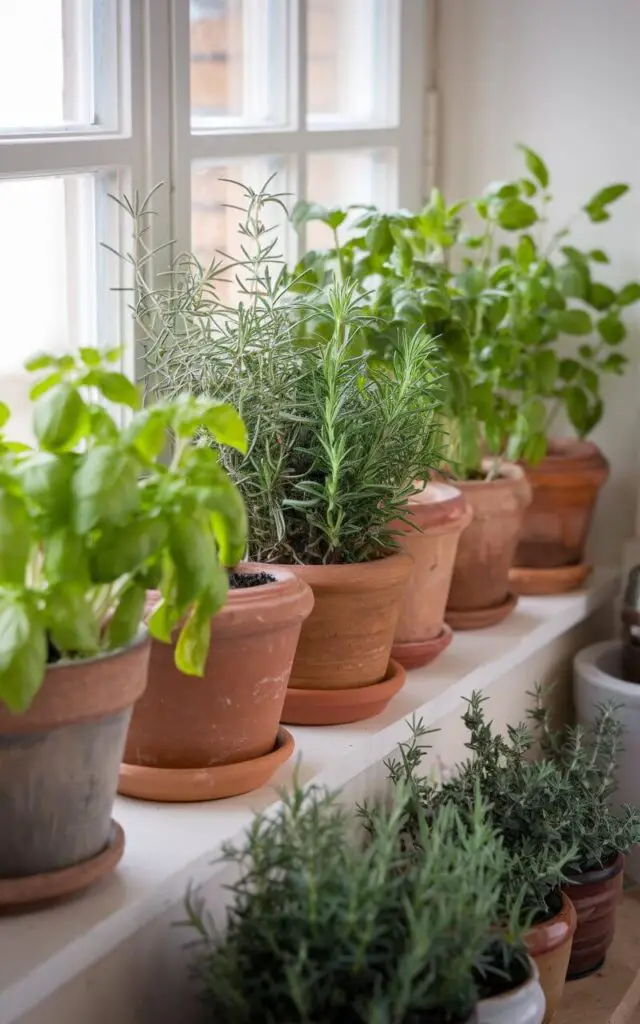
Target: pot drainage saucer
(416, 654)
(338, 707)
(189, 785)
(540, 582)
(24, 893)
(481, 618)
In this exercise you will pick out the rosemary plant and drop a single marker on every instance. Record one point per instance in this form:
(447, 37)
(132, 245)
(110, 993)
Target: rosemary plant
(335, 444)
(588, 759)
(325, 929)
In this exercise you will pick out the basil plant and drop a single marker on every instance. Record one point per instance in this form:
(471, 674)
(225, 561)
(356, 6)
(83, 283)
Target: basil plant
(524, 326)
(103, 507)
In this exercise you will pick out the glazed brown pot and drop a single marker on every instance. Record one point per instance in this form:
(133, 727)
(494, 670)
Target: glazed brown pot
(60, 763)
(346, 641)
(595, 895)
(186, 725)
(565, 487)
(549, 945)
(485, 551)
(436, 517)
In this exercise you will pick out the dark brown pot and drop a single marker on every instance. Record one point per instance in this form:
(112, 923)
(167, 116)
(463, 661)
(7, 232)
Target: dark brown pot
(185, 726)
(549, 946)
(595, 895)
(480, 583)
(60, 763)
(565, 487)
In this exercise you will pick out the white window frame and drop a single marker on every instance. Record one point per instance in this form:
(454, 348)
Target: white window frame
(144, 134)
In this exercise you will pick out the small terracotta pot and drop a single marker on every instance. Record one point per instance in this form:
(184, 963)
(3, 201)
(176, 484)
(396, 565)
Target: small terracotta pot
(339, 707)
(59, 774)
(549, 946)
(437, 516)
(187, 726)
(565, 487)
(480, 584)
(346, 641)
(522, 1005)
(595, 895)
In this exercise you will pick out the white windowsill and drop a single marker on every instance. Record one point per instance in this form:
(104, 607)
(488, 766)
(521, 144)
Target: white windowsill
(171, 845)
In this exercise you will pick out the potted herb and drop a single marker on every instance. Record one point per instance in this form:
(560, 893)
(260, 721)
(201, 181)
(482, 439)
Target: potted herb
(588, 758)
(334, 449)
(404, 266)
(530, 807)
(89, 518)
(325, 926)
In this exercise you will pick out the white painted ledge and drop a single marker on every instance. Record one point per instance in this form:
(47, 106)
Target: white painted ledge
(169, 846)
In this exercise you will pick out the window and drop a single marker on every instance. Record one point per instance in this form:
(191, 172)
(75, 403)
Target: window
(100, 96)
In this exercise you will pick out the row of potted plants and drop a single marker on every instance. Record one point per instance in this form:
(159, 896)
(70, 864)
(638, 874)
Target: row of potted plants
(481, 892)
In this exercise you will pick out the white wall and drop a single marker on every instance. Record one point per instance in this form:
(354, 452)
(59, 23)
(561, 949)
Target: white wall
(562, 76)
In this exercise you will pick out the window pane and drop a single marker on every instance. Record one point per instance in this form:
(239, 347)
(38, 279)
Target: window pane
(47, 53)
(363, 176)
(48, 274)
(352, 54)
(238, 63)
(214, 224)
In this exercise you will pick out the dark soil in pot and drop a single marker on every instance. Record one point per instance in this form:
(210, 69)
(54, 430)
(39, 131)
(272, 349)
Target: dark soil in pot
(246, 580)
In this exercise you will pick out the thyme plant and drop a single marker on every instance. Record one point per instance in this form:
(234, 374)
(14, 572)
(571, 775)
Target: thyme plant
(324, 928)
(335, 444)
(588, 759)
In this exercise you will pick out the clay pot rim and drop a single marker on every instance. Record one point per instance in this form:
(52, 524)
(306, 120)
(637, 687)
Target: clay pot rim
(214, 782)
(376, 572)
(575, 459)
(554, 932)
(533, 979)
(436, 509)
(117, 652)
(595, 876)
(510, 473)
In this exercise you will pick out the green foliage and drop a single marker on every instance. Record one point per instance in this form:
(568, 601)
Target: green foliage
(588, 759)
(324, 926)
(335, 443)
(503, 297)
(90, 518)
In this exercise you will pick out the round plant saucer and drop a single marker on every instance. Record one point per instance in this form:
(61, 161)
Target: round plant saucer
(481, 618)
(418, 653)
(24, 893)
(538, 582)
(339, 707)
(189, 785)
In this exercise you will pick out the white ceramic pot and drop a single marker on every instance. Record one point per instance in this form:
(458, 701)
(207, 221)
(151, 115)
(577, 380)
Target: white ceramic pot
(524, 1005)
(597, 679)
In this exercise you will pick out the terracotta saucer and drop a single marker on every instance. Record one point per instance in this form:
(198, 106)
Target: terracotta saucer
(189, 785)
(539, 582)
(338, 707)
(422, 652)
(24, 893)
(481, 618)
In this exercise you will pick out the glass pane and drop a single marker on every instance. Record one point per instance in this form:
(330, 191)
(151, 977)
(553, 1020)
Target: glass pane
(48, 256)
(46, 61)
(352, 55)
(214, 222)
(363, 176)
(238, 63)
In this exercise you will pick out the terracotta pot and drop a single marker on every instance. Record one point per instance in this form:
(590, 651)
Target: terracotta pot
(480, 583)
(191, 726)
(524, 1004)
(59, 774)
(338, 707)
(565, 487)
(437, 516)
(346, 641)
(595, 895)
(549, 946)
